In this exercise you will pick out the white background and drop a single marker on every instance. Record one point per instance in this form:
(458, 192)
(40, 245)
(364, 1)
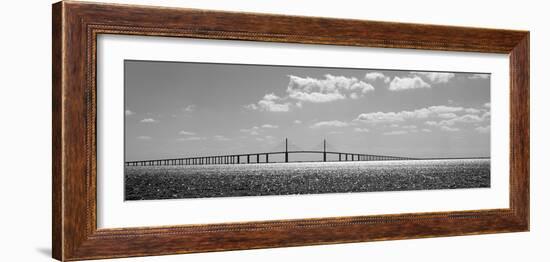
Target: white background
(25, 191)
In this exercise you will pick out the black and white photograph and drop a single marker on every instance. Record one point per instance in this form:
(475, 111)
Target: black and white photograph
(199, 130)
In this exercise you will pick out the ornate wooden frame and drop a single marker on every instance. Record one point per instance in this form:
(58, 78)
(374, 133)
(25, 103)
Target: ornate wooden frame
(76, 26)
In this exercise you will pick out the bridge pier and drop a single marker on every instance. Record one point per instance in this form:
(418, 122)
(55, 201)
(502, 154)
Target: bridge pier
(258, 158)
(248, 159)
(267, 158)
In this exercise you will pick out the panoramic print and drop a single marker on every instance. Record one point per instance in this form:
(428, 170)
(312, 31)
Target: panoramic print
(201, 130)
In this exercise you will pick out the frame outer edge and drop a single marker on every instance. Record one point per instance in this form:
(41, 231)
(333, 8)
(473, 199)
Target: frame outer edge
(71, 239)
(520, 130)
(57, 173)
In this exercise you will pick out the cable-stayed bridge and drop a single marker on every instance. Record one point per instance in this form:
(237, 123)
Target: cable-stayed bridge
(264, 157)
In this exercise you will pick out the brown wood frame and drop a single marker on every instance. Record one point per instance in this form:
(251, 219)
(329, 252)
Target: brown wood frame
(76, 26)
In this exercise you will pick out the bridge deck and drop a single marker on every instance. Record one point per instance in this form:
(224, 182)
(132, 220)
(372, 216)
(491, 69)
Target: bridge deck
(255, 158)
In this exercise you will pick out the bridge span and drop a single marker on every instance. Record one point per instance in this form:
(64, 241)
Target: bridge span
(263, 157)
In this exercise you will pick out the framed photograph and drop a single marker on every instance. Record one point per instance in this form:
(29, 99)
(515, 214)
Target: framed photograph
(182, 130)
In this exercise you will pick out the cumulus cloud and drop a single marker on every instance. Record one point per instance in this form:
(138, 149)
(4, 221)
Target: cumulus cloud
(144, 137)
(445, 109)
(186, 133)
(129, 112)
(332, 123)
(331, 88)
(436, 77)
(297, 122)
(269, 126)
(447, 115)
(405, 83)
(472, 111)
(391, 117)
(270, 103)
(148, 120)
(462, 119)
(450, 124)
(380, 117)
(373, 76)
(302, 90)
(445, 118)
(487, 105)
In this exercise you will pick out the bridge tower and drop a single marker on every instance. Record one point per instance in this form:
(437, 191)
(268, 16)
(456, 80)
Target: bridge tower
(324, 150)
(286, 150)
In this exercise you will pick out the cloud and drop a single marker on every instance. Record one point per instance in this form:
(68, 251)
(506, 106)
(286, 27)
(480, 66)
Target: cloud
(449, 124)
(191, 138)
(361, 130)
(316, 97)
(297, 122)
(479, 76)
(332, 123)
(251, 107)
(331, 88)
(269, 103)
(190, 108)
(144, 137)
(445, 109)
(483, 129)
(221, 138)
(312, 90)
(255, 130)
(392, 117)
(380, 117)
(409, 127)
(405, 83)
(450, 129)
(129, 112)
(186, 133)
(462, 119)
(395, 133)
(436, 77)
(426, 130)
(487, 105)
(373, 76)
(251, 131)
(447, 115)
(472, 111)
(148, 120)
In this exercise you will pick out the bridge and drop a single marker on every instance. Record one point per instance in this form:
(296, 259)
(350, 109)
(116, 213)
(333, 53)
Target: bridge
(263, 157)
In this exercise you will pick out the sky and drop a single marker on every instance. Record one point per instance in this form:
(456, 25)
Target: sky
(179, 109)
